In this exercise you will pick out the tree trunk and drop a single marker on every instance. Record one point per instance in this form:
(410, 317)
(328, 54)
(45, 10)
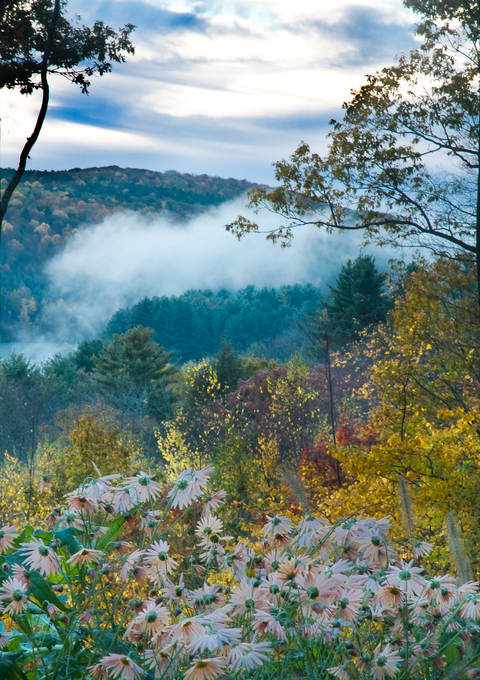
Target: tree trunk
(7, 194)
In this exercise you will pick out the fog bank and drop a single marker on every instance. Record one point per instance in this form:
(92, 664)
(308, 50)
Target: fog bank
(126, 257)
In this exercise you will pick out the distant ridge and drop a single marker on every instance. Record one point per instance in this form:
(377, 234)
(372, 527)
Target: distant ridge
(51, 205)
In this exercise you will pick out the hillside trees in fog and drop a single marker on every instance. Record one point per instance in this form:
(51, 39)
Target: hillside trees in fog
(50, 208)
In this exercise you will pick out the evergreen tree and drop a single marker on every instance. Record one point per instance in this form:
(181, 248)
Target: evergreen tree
(228, 366)
(358, 300)
(134, 373)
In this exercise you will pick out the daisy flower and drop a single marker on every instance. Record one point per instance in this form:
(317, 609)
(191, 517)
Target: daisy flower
(215, 640)
(161, 662)
(471, 608)
(7, 536)
(205, 669)
(85, 556)
(44, 483)
(209, 525)
(385, 662)
(339, 672)
(157, 556)
(189, 486)
(421, 548)
(349, 603)
(122, 667)
(14, 591)
(266, 623)
(187, 629)
(40, 557)
(98, 671)
(79, 501)
(152, 619)
(245, 598)
(132, 563)
(122, 500)
(213, 502)
(276, 526)
(389, 595)
(248, 655)
(208, 596)
(150, 522)
(407, 578)
(289, 570)
(21, 573)
(144, 486)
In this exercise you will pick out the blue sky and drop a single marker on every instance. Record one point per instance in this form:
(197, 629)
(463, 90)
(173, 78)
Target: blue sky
(224, 88)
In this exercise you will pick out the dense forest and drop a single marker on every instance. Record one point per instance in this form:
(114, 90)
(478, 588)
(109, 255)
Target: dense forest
(192, 325)
(49, 207)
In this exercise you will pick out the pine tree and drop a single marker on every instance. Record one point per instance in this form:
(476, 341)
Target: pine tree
(358, 300)
(228, 366)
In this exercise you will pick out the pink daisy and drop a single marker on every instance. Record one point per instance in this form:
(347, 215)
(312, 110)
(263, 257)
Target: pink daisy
(205, 669)
(144, 486)
(7, 536)
(339, 672)
(248, 655)
(152, 619)
(245, 598)
(121, 666)
(386, 662)
(189, 486)
(85, 556)
(213, 502)
(157, 556)
(407, 578)
(40, 557)
(14, 591)
(278, 525)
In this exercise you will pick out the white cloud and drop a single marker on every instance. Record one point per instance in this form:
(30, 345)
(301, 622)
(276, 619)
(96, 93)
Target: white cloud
(253, 61)
(126, 257)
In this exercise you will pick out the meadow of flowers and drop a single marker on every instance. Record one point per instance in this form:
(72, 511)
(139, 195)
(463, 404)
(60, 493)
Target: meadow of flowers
(102, 595)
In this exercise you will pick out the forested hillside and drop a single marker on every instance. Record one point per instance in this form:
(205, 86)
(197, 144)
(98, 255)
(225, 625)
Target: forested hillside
(49, 207)
(193, 324)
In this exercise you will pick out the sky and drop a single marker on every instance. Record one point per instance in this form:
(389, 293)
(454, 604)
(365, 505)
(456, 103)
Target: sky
(218, 87)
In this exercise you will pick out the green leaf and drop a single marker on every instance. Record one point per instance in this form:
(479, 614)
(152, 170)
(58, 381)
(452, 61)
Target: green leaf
(452, 654)
(113, 531)
(42, 590)
(67, 538)
(9, 669)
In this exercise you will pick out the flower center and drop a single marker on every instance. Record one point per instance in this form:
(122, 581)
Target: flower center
(250, 604)
(202, 664)
(151, 617)
(43, 551)
(313, 593)
(182, 484)
(382, 661)
(17, 595)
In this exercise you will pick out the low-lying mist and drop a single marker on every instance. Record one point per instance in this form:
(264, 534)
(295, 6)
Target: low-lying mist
(126, 257)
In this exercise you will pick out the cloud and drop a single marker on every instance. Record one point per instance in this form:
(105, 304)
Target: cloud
(230, 84)
(367, 34)
(116, 263)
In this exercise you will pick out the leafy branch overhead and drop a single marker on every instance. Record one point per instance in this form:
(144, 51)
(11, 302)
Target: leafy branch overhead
(403, 163)
(76, 52)
(37, 40)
